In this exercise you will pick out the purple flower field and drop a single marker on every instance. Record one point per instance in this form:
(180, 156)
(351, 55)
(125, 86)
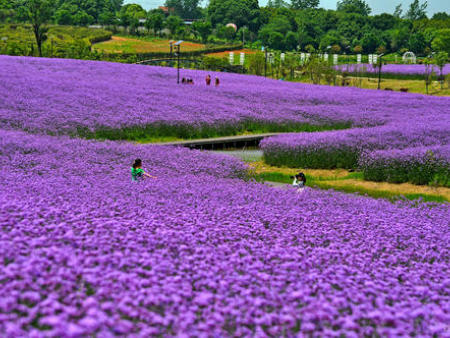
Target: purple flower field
(60, 96)
(200, 252)
(394, 69)
(341, 149)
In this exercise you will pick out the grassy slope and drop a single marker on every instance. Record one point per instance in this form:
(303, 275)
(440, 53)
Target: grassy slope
(126, 44)
(346, 181)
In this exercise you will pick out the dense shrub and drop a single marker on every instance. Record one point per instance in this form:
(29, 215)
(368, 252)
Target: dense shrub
(422, 165)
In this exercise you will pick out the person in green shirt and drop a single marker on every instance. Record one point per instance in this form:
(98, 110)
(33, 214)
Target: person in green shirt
(137, 173)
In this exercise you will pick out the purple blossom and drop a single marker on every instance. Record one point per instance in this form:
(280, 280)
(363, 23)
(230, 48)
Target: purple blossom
(200, 252)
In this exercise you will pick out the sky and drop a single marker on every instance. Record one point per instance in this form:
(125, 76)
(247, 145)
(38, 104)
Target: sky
(378, 6)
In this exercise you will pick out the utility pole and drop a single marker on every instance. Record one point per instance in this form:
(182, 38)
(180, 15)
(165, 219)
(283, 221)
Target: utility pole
(177, 49)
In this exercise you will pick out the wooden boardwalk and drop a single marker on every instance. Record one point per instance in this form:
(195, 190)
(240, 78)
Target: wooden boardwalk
(218, 142)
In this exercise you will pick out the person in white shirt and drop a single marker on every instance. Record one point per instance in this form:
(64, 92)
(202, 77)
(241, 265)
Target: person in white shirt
(299, 181)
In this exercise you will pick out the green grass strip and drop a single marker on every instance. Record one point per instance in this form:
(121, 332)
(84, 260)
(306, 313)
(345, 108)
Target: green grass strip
(326, 184)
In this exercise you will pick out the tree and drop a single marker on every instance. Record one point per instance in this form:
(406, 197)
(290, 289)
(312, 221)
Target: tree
(303, 4)
(129, 16)
(291, 41)
(417, 11)
(354, 6)
(428, 74)
(370, 41)
(417, 43)
(186, 9)
(440, 16)
(38, 12)
(398, 11)
(202, 28)
(384, 21)
(155, 21)
(239, 12)
(440, 59)
(277, 4)
(441, 42)
(173, 22)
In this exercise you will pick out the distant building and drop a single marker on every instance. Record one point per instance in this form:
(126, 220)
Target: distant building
(167, 10)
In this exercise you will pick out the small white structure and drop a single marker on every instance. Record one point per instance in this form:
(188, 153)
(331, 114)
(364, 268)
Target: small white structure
(242, 59)
(358, 59)
(409, 57)
(231, 58)
(282, 57)
(335, 59)
(370, 59)
(374, 58)
(325, 57)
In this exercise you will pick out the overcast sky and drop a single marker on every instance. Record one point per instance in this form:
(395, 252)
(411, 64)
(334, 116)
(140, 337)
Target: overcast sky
(378, 6)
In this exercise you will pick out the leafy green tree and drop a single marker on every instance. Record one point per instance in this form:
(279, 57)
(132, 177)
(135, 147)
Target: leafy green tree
(332, 37)
(303, 4)
(187, 9)
(417, 43)
(351, 25)
(398, 11)
(291, 41)
(81, 18)
(270, 33)
(440, 16)
(277, 4)
(129, 16)
(384, 21)
(440, 60)
(203, 29)
(441, 42)
(417, 10)
(63, 17)
(172, 23)
(239, 12)
(354, 6)
(107, 18)
(370, 41)
(38, 13)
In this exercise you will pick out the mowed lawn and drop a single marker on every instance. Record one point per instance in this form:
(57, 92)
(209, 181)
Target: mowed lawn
(120, 44)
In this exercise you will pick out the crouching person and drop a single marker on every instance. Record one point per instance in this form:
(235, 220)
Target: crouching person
(299, 181)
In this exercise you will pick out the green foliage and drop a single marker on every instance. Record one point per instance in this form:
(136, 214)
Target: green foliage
(303, 4)
(203, 29)
(256, 63)
(239, 12)
(187, 9)
(172, 23)
(354, 6)
(417, 10)
(62, 41)
(441, 42)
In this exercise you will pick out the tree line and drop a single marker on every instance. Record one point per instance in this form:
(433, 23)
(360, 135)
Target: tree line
(281, 25)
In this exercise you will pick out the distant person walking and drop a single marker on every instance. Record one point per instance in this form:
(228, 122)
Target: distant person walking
(137, 173)
(208, 80)
(217, 82)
